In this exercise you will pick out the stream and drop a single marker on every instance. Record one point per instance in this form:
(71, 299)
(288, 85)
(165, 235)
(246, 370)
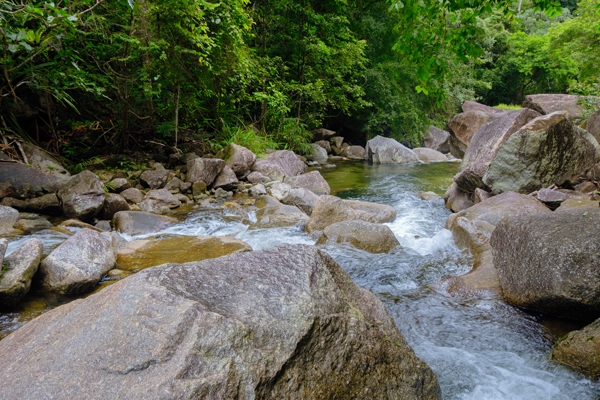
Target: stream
(480, 348)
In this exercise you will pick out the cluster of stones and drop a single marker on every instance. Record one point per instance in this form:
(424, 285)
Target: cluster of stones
(525, 204)
(212, 318)
(331, 146)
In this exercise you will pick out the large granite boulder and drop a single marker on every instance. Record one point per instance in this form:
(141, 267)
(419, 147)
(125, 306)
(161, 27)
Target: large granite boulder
(382, 150)
(463, 126)
(18, 270)
(18, 174)
(380, 212)
(204, 169)
(140, 222)
(437, 139)
(312, 181)
(472, 229)
(549, 103)
(485, 144)
(331, 209)
(43, 161)
(429, 155)
(548, 150)
(238, 158)
(78, 264)
(281, 323)
(155, 178)
(326, 144)
(82, 197)
(549, 262)
(581, 350)
(279, 164)
(367, 236)
(354, 152)
(141, 254)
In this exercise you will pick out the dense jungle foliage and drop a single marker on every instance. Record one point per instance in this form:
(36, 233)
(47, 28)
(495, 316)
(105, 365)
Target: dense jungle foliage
(82, 76)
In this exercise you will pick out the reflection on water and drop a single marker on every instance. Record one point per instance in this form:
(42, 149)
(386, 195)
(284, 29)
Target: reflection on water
(479, 348)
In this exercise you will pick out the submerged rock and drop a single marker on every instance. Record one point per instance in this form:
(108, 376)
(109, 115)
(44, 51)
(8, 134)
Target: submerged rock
(140, 254)
(281, 323)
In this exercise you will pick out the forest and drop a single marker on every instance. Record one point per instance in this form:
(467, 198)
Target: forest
(89, 77)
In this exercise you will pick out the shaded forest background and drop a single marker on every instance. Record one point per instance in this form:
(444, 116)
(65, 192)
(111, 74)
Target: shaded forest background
(84, 77)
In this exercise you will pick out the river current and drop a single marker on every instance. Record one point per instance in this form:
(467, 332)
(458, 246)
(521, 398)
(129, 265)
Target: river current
(480, 348)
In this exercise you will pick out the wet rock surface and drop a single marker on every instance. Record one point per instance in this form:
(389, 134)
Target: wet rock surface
(212, 329)
(140, 254)
(374, 238)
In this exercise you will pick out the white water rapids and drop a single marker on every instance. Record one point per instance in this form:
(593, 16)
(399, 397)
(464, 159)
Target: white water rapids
(479, 348)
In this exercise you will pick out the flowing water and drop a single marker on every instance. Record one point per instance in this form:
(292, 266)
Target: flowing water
(480, 348)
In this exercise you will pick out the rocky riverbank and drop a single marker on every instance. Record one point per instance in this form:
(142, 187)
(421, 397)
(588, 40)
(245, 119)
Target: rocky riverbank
(525, 202)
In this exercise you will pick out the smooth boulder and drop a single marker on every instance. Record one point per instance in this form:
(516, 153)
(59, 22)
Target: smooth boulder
(82, 197)
(548, 150)
(549, 262)
(18, 270)
(429, 155)
(237, 157)
(140, 222)
(281, 323)
(302, 198)
(159, 201)
(367, 236)
(382, 150)
(331, 209)
(279, 164)
(380, 212)
(312, 181)
(78, 264)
